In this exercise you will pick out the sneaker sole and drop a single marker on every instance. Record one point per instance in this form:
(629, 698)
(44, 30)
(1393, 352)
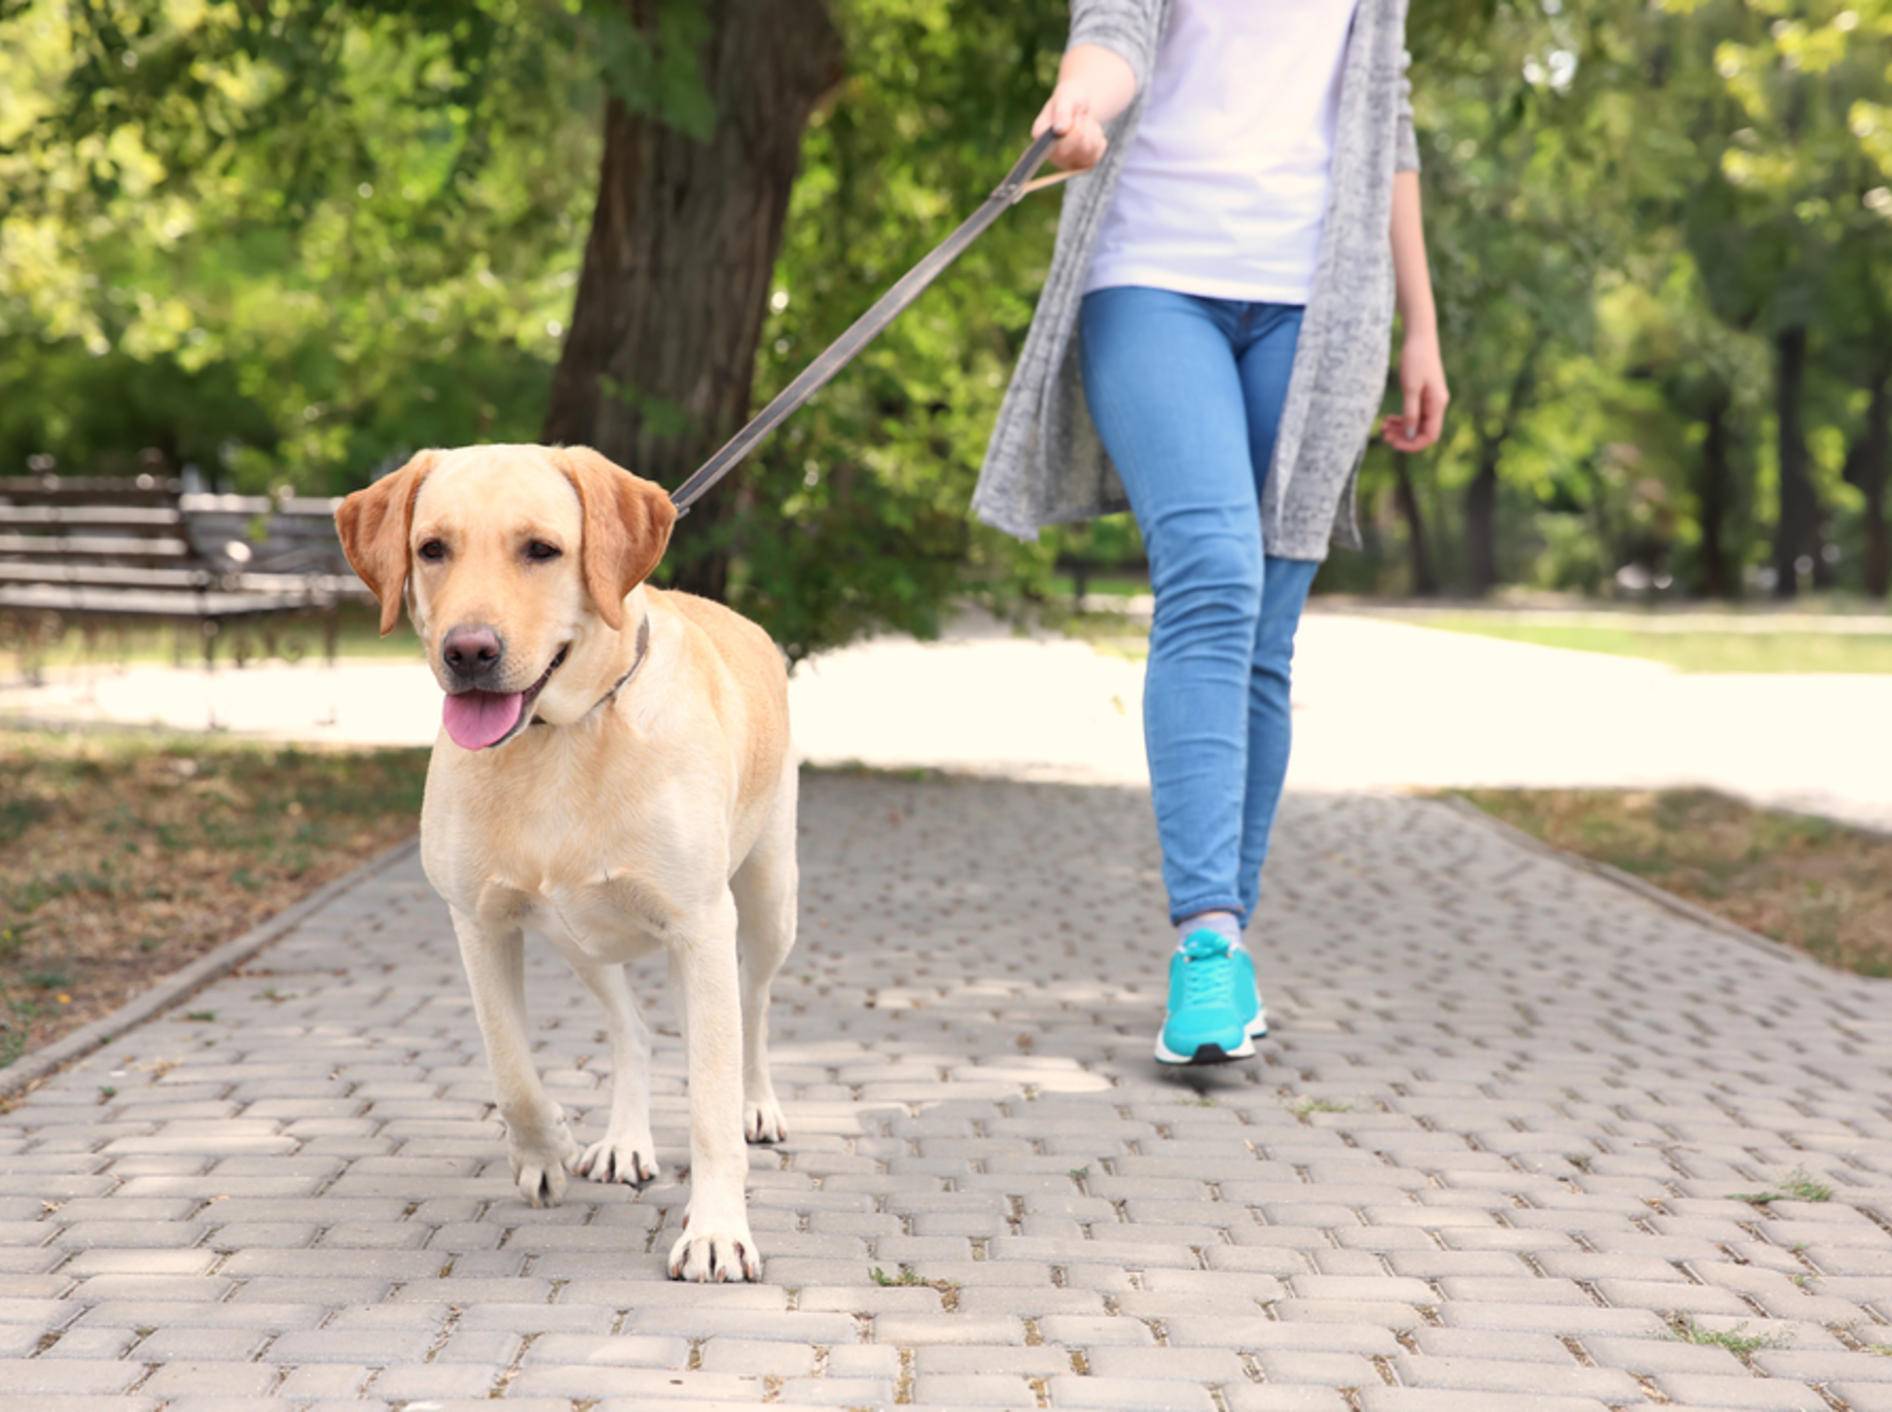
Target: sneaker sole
(1206, 1053)
(1215, 1053)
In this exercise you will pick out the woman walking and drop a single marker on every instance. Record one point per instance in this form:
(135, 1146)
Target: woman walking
(1210, 350)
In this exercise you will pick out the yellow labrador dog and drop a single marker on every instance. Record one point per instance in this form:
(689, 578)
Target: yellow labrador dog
(613, 772)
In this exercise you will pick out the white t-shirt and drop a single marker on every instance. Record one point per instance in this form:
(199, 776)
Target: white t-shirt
(1224, 184)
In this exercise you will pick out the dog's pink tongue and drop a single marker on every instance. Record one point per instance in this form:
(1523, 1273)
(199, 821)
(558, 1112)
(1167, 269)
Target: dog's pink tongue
(475, 719)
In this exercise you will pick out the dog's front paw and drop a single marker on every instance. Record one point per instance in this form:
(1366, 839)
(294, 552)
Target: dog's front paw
(539, 1165)
(762, 1120)
(715, 1249)
(630, 1159)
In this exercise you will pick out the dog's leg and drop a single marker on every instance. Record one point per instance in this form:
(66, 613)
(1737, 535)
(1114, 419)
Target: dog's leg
(538, 1141)
(766, 897)
(716, 1243)
(627, 1153)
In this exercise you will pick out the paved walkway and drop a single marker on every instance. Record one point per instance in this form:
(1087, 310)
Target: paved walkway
(1489, 1162)
(1379, 705)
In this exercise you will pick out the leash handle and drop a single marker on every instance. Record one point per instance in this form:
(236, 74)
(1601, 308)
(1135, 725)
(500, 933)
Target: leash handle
(868, 326)
(1028, 162)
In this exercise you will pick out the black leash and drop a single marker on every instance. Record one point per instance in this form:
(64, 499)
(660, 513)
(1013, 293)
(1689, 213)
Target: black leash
(868, 326)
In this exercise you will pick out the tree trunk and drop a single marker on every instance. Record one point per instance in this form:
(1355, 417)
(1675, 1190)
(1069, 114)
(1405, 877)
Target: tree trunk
(1481, 524)
(1481, 496)
(1714, 493)
(1797, 529)
(1869, 466)
(657, 369)
(1425, 583)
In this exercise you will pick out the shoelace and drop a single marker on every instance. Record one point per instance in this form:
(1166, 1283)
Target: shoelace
(1206, 968)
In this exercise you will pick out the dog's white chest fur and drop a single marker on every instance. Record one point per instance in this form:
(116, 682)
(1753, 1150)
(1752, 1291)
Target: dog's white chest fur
(610, 920)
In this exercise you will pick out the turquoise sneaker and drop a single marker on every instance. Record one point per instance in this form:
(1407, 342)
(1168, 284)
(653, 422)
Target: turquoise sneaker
(1215, 1011)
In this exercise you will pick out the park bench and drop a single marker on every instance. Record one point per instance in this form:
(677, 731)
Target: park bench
(106, 553)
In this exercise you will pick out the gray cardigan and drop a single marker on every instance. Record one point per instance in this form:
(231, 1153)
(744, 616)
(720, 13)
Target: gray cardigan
(1045, 465)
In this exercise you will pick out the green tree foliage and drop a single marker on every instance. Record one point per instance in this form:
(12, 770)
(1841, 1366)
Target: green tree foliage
(284, 242)
(856, 511)
(1706, 180)
(289, 243)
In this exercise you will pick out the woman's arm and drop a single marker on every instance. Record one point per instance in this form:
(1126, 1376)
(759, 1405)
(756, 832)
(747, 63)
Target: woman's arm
(1095, 85)
(1421, 366)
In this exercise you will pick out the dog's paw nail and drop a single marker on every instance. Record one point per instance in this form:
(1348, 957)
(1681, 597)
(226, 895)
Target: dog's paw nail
(726, 1258)
(539, 1178)
(763, 1122)
(612, 1161)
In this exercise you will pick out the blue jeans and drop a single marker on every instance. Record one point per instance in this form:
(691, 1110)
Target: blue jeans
(1186, 393)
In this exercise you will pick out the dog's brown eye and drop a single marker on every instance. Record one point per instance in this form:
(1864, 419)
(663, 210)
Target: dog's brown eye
(538, 551)
(432, 550)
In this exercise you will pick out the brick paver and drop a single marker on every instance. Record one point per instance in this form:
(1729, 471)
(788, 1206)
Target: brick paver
(1492, 1158)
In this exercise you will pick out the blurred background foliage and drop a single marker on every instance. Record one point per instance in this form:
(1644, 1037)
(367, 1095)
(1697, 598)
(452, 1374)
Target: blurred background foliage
(286, 244)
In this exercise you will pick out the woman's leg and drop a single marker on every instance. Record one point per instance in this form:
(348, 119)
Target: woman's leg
(1164, 391)
(1285, 583)
(1266, 362)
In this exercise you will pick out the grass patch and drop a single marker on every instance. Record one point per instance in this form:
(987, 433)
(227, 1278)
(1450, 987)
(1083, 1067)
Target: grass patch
(1797, 1186)
(358, 635)
(1302, 1107)
(1064, 586)
(1815, 885)
(123, 856)
(1691, 649)
(1734, 1340)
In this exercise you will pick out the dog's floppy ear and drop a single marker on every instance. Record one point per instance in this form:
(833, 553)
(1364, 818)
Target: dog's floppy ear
(627, 526)
(374, 524)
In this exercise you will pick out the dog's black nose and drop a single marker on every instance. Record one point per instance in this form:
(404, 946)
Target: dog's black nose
(472, 653)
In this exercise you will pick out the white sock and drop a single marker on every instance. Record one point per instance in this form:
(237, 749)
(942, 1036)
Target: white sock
(1225, 924)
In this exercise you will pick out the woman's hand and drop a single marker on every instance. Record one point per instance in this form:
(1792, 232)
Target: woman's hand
(1081, 144)
(1095, 84)
(1422, 376)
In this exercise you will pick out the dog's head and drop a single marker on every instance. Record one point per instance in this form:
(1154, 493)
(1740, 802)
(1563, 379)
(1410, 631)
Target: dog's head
(515, 562)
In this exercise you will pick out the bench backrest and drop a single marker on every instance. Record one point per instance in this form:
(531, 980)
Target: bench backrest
(59, 529)
(263, 534)
(142, 532)
(148, 491)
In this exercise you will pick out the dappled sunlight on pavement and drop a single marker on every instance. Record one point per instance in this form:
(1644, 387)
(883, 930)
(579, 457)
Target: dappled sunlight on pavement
(1514, 1129)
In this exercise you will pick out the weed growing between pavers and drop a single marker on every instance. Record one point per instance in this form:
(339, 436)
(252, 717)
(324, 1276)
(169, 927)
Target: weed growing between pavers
(906, 1279)
(1797, 1186)
(909, 1278)
(1740, 1344)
